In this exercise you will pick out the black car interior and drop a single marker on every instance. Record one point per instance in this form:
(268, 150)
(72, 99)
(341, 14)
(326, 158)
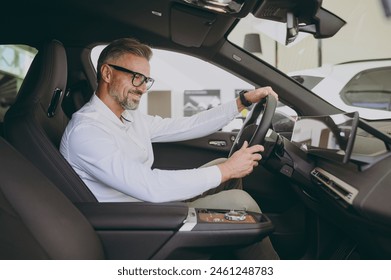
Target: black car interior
(314, 207)
(34, 125)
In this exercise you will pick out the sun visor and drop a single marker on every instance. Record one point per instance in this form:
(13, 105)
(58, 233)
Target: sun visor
(189, 27)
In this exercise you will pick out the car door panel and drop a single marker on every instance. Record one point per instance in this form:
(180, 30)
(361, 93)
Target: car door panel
(193, 153)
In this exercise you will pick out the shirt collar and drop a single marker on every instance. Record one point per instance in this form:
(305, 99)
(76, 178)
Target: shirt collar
(127, 116)
(108, 114)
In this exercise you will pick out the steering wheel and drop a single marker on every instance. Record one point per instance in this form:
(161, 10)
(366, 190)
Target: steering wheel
(251, 131)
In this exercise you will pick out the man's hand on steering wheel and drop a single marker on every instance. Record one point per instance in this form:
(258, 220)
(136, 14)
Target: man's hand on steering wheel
(241, 163)
(256, 95)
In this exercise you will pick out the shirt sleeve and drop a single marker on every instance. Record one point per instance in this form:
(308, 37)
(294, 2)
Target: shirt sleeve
(198, 125)
(95, 151)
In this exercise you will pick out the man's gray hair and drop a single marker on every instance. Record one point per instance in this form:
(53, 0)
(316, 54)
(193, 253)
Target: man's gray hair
(121, 47)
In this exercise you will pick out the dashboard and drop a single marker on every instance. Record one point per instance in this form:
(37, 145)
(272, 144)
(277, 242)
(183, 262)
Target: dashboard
(351, 188)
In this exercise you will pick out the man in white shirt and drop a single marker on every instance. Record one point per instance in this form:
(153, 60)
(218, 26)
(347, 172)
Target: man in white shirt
(109, 143)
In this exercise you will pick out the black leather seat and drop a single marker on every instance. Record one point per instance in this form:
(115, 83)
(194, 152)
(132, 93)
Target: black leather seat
(36, 121)
(36, 220)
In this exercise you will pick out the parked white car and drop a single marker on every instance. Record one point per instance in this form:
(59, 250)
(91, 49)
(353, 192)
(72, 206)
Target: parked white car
(363, 86)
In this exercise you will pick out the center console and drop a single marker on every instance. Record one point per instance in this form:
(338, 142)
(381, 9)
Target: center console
(207, 231)
(213, 219)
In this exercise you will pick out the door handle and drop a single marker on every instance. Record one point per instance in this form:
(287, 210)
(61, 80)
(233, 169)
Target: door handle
(218, 143)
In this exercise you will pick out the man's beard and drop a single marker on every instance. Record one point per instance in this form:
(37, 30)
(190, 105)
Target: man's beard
(126, 102)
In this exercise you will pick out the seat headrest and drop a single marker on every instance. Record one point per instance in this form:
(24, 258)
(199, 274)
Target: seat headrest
(42, 91)
(46, 77)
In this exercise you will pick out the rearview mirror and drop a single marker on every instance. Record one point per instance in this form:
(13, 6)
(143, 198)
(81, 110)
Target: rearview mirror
(312, 18)
(325, 24)
(292, 28)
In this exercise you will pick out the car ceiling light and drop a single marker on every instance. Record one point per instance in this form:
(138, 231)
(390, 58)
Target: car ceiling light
(156, 13)
(221, 6)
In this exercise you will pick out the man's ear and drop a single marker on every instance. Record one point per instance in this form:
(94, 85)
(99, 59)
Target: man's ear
(105, 71)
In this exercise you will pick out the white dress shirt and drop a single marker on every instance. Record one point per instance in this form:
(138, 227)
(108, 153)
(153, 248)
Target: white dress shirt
(114, 157)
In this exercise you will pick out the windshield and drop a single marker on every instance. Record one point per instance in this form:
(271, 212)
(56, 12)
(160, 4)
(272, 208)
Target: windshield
(351, 70)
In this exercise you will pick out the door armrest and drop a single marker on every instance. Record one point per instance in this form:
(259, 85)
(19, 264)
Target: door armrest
(134, 215)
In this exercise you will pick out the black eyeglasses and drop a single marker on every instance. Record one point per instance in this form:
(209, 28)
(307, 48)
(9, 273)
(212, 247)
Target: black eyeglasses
(138, 78)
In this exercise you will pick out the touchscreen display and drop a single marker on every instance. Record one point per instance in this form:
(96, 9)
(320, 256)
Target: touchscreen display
(330, 136)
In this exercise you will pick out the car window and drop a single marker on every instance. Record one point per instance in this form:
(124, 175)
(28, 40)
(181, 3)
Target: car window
(185, 85)
(15, 60)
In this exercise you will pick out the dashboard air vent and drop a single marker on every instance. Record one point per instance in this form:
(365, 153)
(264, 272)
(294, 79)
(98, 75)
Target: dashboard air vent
(335, 186)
